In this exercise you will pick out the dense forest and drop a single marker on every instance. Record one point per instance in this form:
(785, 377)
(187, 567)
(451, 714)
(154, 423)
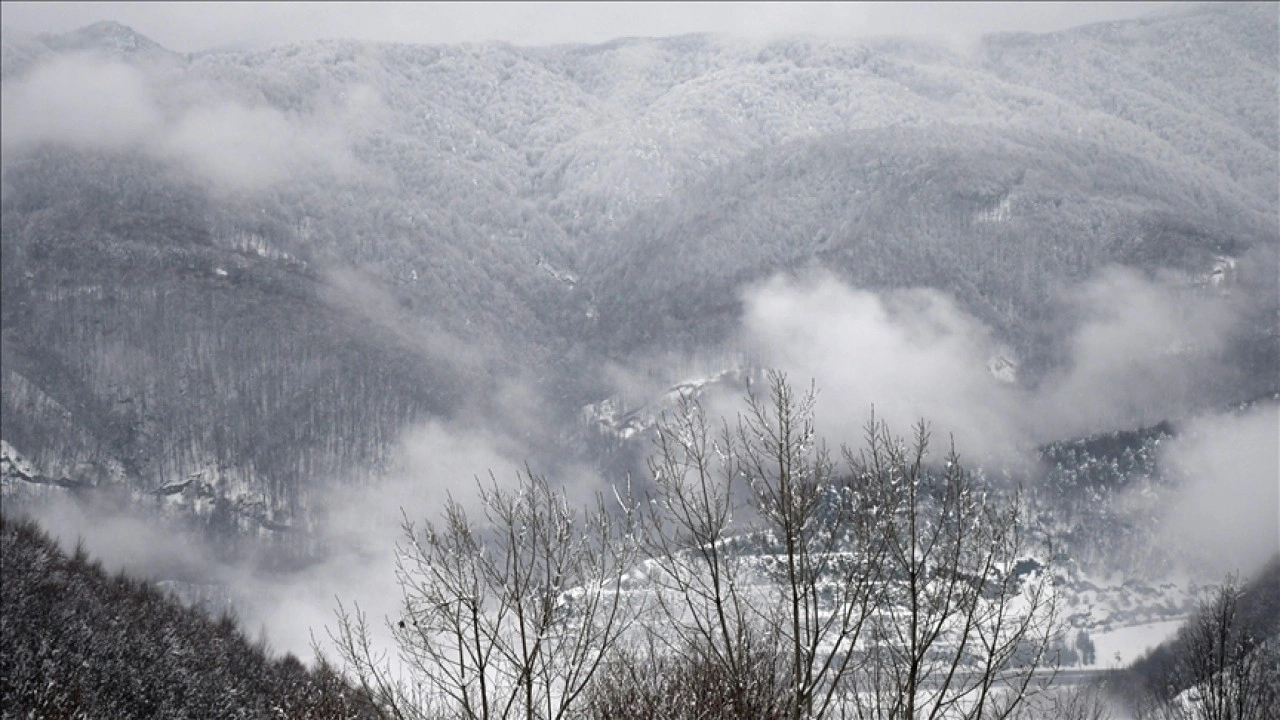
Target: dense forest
(79, 643)
(420, 226)
(269, 300)
(1223, 663)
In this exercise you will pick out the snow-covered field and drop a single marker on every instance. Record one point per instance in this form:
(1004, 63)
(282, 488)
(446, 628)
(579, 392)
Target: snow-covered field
(1122, 645)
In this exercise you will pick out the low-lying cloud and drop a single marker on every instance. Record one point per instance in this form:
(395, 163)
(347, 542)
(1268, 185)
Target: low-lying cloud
(910, 354)
(362, 527)
(121, 539)
(435, 462)
(1226, 512)
(360, 530)
(255, 147)
(1136, 347)
(80, 102)
(1138, 355)
(90, 103)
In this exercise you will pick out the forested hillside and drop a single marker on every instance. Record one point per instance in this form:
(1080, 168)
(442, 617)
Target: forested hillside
(995, 218)
(234, 280)
(1224, 662)
(78, 643)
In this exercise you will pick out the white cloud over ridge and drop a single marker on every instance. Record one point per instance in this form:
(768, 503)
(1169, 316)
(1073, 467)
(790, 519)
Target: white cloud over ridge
(89, 103)
(1136, 356)
(82, 102)
(254, 147)
(1135, 352)
(910, 354)
(1139, 351)
(1226, 513)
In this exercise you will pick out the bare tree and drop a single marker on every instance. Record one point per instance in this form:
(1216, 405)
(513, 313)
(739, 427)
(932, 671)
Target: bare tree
(886, 591)
(763, 559)
(704, 607)
(510, 618)
(772, 585)
(1229, 667)
(956, 633)
(830, 551)
(1223, 669)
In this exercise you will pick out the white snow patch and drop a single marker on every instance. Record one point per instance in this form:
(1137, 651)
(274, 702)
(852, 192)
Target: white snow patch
(12, 458)
(1123, 645)
(1003, 368)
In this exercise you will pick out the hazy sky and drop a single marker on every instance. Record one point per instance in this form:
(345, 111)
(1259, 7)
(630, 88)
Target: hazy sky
(190, 26)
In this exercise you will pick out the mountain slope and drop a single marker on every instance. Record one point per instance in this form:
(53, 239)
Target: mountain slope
(78, 643)
(278, 260)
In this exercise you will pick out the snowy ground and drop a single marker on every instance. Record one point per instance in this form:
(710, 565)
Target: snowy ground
(1122, 645)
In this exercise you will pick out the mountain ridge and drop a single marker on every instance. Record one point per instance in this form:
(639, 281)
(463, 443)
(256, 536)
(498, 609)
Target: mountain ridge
(325, 243)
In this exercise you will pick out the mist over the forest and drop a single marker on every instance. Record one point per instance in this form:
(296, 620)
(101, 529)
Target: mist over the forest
(261, 306)
(1226, 512)
(1140, 352)
(90, 102)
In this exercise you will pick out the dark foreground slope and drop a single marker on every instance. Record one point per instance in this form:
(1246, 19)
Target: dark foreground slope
(1224, 662)
(76, 642)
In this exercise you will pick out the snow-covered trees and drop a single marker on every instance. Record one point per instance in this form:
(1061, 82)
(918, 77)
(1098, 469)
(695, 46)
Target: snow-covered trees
(505, 615)
(1224, 664)
(967, 616)
(761, 553)
(76, 642)
(759, 579)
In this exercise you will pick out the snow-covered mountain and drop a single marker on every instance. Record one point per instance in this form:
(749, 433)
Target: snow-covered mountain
(255, 270)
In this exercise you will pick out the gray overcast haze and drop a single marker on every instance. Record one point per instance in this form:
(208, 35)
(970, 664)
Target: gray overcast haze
(284, 301)
(189, 27)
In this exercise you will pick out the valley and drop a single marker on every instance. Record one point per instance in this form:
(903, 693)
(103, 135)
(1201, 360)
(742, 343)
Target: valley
(259, 307)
